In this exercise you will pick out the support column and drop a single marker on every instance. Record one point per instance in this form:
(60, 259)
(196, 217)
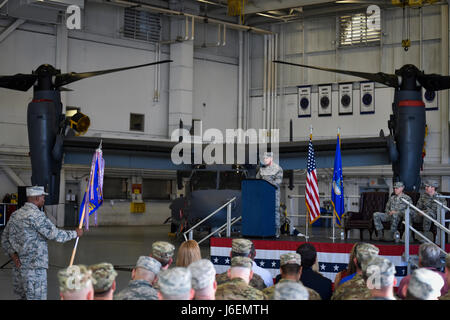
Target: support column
(181, 82)
(62, 49)
(444, 101)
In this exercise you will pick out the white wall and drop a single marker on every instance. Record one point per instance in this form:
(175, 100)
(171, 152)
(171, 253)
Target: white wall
(215, 85)
(320, 50)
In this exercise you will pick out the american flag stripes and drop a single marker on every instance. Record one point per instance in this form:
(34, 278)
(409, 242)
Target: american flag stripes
(312, 190)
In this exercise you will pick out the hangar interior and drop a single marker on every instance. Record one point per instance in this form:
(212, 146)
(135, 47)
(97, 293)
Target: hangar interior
(221, 77)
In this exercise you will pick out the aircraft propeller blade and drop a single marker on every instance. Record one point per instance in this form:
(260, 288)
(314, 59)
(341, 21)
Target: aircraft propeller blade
(434, 82)
(21, 82)
(389, 80)
(66, 78)
(64, 89)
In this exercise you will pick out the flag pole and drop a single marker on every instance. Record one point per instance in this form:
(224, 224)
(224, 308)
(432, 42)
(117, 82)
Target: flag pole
(76, 241)
(308, 218)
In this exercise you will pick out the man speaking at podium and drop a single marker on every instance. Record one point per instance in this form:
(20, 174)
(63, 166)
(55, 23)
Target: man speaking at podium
(272, 173)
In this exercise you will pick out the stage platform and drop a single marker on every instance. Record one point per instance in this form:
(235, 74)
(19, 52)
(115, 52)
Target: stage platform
(333, 256)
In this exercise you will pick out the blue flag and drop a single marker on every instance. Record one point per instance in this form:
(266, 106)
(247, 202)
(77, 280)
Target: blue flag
(337, 188)
(93, 196)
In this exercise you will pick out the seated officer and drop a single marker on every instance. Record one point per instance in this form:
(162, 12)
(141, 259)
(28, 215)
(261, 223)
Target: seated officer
(394, 212)
(105, 280)
(427, 205)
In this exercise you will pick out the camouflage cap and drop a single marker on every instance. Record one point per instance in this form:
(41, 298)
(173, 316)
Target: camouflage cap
(203, 273)
(290, 258)
(163, 250)
(149, 263)
(75, 277)
(36, 191)
(175, 281)
(104, 276)
(241, 246)
(431, 183)
(244, 262)
(425, 284)
(290, 290)
(381, 268)
(398, 184)
(365, 252)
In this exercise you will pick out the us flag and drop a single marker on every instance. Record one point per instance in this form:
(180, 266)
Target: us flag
(312, 190)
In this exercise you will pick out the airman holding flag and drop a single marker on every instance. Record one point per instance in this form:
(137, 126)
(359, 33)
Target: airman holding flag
(25, 241)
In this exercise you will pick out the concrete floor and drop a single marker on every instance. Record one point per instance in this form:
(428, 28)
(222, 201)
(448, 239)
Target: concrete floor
(122, 246)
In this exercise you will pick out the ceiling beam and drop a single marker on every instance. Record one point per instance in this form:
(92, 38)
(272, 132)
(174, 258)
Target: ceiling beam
(11, 28)
(257, 6)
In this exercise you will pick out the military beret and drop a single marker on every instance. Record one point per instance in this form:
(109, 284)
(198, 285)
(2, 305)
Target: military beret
(244, 262)
(290, 290)
(365, 252)
(163, 250)
(175, 281)
(149, 263)
(382, 268)
(431, 183)
(425, 284)
(104, 275)
(241, 246)
(74, 278)
(398, 184)
(36, 191)
(290, 258)
(203, 273)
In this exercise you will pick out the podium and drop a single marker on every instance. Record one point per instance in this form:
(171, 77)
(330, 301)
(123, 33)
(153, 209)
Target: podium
(258, 208)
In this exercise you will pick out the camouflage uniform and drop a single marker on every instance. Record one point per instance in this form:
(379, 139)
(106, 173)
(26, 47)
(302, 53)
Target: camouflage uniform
(274, 175)
(162, 251)
(291, 258)
(425, 284)
(290, 290)
(75, 278)
(312, 294)
(137, 290)
(140, 289)
(380, 274)
(202, 274)
(242, 247)
(427, 205)
(256, 281)
(26, 234)
(445, 297)
(237, 288)
(394, 204)
(356, 288)
(104, 276)
(175, 283)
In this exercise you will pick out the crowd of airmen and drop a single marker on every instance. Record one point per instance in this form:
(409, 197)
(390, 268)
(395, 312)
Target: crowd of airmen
(374, 279)
(155, 276)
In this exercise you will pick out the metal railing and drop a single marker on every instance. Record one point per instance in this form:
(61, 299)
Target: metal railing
(227, 225)
(408, 227)
(306, 236)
